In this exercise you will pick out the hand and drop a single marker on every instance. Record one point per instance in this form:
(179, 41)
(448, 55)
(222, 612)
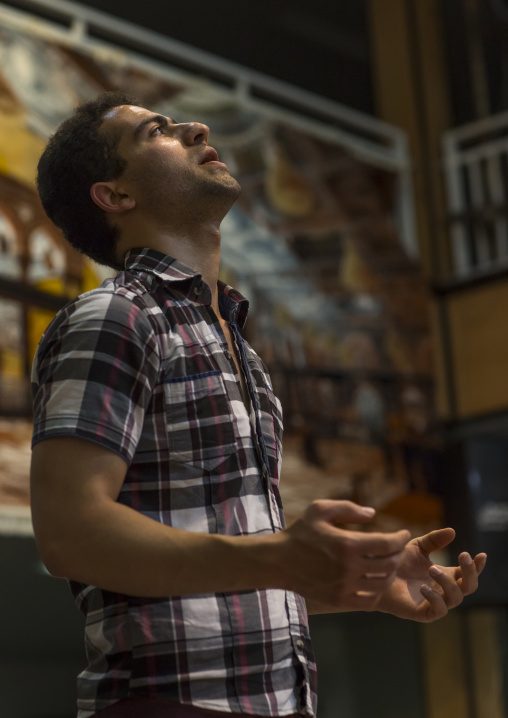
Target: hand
(337, 567)
(423, 591)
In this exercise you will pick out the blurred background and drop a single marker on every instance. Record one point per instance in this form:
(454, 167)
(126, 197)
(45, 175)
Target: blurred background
(371, 237)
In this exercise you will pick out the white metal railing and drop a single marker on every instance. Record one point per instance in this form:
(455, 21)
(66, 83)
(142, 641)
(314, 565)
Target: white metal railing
(367, 137)
(476, 168)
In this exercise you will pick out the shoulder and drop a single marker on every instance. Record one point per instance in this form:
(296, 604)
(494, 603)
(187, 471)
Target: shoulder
(112, 310)
(111, 303)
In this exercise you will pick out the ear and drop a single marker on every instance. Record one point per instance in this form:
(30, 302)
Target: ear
(106, 196)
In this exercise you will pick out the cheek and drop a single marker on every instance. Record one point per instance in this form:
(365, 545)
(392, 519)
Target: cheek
(161, 182)
(157, 168)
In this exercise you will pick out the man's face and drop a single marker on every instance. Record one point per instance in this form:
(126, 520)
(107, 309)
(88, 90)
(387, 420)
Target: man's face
(170, 166)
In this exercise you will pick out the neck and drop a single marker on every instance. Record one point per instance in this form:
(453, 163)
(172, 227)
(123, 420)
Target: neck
(198, 248)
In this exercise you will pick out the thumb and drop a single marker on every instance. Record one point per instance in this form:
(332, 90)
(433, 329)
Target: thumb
(341, 512)
(435, 540)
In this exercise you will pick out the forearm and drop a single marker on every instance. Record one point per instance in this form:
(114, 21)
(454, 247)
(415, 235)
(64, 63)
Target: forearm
(315, 608)
(120, 550)
(84, 534)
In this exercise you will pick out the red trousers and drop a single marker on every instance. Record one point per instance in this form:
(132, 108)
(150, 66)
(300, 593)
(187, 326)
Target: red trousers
(139, 707)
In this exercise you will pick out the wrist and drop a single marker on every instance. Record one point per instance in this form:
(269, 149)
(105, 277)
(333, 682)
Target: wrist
(260, 561)
(386, 603)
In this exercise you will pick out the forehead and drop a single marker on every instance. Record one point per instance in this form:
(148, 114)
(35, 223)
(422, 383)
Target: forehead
(124, 118)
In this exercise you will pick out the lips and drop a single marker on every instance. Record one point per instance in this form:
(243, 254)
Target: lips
(210, 155)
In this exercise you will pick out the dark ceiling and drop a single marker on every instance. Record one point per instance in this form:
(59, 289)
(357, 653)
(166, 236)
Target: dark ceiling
(322, 46)
(319, 45)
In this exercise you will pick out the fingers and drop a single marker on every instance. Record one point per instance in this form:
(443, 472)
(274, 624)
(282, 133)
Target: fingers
(435, 540)
(368, 576)
(439, 602)
(480, 561)
(341, 512)
(468, 571)
(335, 513)
(376, 545)
(452, 593)
(437, 606)
(451, 585)
(469, 574)
(338, 566)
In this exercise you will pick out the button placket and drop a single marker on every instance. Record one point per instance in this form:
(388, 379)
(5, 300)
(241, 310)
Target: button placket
(258, 436)
(299, 647)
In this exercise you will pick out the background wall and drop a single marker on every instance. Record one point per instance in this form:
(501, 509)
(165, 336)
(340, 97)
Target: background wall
(378, 294)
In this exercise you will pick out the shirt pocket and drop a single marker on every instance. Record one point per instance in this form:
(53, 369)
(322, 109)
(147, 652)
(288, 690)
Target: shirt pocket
(199, 420)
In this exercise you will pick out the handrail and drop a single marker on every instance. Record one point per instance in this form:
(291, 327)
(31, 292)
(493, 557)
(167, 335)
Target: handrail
(367, 137)
(242, 76)
(478, 127)
(476, 170)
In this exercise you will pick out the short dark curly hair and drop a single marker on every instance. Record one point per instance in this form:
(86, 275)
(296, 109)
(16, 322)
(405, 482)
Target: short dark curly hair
(77, 155)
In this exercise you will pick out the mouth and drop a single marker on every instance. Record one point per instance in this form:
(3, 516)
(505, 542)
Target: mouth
(210, 155)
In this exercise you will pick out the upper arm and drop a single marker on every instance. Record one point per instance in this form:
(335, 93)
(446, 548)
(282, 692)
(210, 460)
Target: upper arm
(69, 479)
(93, 380)
(94, 373)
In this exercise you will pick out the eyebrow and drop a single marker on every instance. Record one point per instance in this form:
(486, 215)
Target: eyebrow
(159, 119)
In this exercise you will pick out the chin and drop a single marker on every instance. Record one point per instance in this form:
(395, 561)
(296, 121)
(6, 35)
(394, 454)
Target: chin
(236, 187)
(226, 186)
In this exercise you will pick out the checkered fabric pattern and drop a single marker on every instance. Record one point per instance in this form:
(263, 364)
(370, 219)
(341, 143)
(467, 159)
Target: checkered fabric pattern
(141, 366)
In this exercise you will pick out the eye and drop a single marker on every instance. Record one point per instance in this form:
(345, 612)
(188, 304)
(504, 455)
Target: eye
(157, 129)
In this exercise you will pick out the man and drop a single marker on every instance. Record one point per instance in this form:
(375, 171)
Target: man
(157, 443)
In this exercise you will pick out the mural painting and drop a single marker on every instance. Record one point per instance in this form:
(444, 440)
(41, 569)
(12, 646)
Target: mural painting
(339, 311)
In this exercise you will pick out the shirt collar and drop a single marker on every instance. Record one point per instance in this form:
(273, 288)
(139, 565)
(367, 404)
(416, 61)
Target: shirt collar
(233, 306)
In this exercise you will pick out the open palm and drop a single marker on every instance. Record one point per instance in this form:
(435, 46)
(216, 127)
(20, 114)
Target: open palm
(423, 591)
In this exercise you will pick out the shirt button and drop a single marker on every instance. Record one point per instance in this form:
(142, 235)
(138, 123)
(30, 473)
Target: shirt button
(198, 289)
(300, 644)
(228, 354)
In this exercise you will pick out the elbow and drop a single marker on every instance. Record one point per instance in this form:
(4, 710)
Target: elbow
(55, 546)
(53, 556)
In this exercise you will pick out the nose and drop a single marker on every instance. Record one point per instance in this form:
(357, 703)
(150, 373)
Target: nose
(193, 133)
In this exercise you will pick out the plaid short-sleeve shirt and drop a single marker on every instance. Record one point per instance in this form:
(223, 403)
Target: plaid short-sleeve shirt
(141, 366)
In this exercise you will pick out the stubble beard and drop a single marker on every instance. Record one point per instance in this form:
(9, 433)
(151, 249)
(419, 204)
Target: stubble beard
(222, 186)
(207, 195)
